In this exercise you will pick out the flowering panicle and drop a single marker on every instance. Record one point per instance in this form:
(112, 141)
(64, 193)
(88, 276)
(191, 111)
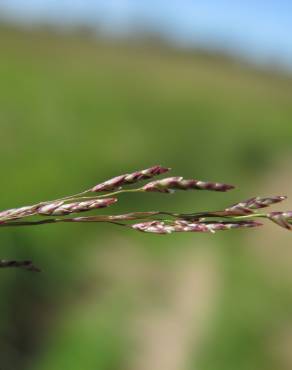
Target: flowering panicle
(237, 216)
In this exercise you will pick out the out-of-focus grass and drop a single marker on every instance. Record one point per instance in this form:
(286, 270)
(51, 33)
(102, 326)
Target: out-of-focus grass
(74, 111)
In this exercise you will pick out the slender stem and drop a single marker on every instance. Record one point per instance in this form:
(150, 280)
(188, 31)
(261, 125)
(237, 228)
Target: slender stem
(71, 197)
(107, 195)
(29, 223)
(253, 215)
(138, 190)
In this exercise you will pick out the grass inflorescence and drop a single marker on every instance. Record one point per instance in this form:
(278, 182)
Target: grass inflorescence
(244, 214)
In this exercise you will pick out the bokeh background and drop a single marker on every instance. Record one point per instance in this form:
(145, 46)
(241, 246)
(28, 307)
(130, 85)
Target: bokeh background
(94, 89)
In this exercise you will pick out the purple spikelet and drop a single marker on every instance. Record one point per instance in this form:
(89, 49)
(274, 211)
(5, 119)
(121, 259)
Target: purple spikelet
(283, 219)
(60, 209)
(130, 178)
(262, 202)
(246, 207)
(228, 225)
(170, 184)
(160, 227)
(56, 208)
(15, 213)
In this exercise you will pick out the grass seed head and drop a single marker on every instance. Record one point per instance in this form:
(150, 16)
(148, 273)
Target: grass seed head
(129, 178)
(170, 184)
(76, 207)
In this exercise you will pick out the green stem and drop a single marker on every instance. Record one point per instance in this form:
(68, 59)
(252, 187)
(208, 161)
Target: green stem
(138, 190)
(253, 215)
(78, 196)
(71, 197)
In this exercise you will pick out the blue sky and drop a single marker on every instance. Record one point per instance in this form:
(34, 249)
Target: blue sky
(258, 29)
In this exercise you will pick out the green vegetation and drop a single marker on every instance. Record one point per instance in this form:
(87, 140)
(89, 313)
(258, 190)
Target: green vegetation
(74, 111)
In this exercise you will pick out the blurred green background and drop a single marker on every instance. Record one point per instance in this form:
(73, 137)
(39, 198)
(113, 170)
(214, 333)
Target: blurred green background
(76, 110)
